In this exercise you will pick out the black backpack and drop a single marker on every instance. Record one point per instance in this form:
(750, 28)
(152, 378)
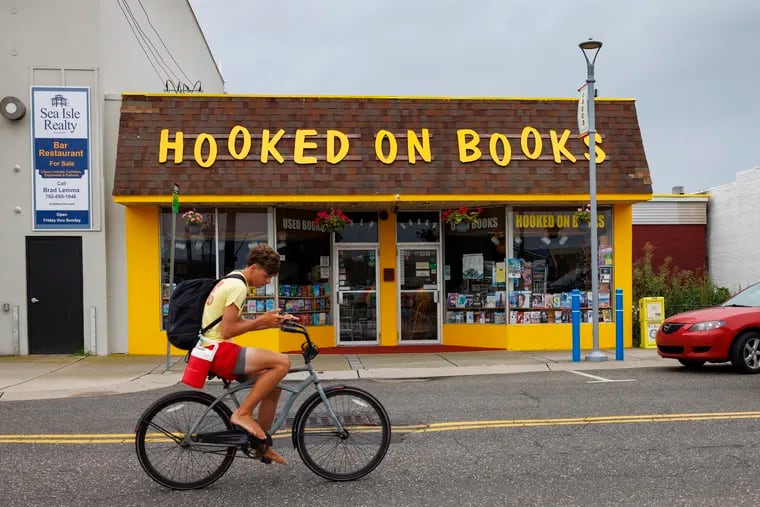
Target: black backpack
(186, 304)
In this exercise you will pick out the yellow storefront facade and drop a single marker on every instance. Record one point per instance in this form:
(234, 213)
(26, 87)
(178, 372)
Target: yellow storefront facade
(403, 270)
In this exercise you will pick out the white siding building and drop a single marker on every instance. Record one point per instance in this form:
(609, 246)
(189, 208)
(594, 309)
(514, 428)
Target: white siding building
(109, 48)
(733, 231)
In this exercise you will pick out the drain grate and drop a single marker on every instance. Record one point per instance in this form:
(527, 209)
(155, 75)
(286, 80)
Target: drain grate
(355, 363)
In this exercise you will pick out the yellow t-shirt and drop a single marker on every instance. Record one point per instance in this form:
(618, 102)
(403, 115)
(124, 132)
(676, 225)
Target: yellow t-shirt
(229, 291)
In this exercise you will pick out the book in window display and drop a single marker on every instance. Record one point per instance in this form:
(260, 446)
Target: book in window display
(519, 299)
(538, 271)
(513, 269)
(526, 274)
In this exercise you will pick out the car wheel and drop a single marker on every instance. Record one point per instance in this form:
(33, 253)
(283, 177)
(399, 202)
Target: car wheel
(692, 364)
(745, 352)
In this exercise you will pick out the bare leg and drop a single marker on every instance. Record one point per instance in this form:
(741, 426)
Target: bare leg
(271, 368)
(267, 409)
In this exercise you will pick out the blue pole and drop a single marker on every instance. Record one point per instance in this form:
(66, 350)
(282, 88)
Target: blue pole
(619, 324)
(576, 320)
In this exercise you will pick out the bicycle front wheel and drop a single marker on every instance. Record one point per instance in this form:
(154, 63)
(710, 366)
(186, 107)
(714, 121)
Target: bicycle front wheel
(170, 459)
(347, 455)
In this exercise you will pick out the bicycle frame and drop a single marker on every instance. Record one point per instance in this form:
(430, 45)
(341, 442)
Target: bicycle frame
(185, 440)
(293, 392)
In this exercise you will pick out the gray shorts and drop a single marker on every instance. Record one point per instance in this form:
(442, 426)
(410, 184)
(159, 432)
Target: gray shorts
(240, 363)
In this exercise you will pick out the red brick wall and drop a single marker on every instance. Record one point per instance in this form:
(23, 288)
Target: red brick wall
(685, 244)
(138, 171)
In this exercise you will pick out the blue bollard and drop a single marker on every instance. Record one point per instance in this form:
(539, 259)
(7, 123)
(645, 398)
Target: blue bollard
(575, 299)
(619, 324)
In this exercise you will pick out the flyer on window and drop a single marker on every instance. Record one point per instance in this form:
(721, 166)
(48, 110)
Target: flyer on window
(513, 268)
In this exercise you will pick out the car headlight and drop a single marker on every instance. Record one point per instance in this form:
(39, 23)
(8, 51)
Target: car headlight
(707, 326)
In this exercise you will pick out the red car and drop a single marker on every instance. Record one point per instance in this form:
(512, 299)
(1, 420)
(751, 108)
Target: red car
(729, 332)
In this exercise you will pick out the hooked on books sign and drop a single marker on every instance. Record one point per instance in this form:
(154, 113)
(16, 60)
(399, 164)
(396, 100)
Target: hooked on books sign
(61, 157)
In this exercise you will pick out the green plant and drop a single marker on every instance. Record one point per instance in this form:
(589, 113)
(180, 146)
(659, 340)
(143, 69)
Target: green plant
(192, 217)
(683, 290)
(82, 352)
(458, 215)
(333, 220)
(583, 214)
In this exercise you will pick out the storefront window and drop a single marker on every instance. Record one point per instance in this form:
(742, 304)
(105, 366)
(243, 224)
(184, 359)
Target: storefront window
(196, 255)
(362, 229)
(304, 281)
(417, 227)
(551, 256)
(475, 269)
(239, 231)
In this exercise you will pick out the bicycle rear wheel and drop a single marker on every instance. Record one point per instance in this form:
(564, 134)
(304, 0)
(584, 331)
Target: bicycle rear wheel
(161, 447)
(342, 456)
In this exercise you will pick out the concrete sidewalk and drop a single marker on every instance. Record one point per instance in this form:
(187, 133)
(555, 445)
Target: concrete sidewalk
(62, 376)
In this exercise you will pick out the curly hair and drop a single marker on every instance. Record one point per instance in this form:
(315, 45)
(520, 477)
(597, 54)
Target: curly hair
(266, 257)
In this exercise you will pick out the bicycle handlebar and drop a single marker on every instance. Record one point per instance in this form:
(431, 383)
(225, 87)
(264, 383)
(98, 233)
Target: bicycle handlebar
(308, 349)
(291, 326)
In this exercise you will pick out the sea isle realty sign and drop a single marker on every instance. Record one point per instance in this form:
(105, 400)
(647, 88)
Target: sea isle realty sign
(61, 157)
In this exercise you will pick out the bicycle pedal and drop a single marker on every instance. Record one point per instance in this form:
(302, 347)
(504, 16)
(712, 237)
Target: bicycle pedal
(267, 441)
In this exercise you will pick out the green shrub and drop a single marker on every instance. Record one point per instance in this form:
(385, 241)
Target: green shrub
(683, 290)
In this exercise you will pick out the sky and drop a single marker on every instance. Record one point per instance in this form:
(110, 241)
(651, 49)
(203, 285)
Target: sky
(693, 66)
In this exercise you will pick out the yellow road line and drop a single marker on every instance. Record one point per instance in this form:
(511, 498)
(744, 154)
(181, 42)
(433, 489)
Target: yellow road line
(120, 438)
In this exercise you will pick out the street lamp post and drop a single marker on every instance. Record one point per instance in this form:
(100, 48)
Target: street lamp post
(590, 48)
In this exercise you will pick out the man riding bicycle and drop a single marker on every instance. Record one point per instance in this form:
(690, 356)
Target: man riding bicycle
(232, 361)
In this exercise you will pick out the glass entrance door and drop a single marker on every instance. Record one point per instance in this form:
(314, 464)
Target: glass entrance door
(419, 294)
(357, 295)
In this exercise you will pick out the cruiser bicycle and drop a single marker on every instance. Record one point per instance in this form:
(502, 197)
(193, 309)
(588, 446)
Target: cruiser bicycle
(185, 440)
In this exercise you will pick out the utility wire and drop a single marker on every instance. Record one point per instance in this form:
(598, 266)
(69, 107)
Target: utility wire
(137, 37)
(151, 47)
(162, 41)
(152, 53)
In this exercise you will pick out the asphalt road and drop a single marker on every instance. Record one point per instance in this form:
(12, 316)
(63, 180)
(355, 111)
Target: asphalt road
(653, 436)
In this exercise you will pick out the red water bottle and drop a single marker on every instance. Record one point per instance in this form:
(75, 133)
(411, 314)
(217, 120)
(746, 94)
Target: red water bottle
(198, 365)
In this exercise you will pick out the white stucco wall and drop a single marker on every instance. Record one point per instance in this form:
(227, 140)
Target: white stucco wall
(84, 43)
(733, 231)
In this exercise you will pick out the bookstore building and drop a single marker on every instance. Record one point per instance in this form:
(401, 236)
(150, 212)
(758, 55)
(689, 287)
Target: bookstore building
(399, 221)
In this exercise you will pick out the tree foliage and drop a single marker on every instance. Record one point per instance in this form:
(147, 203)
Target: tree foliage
(683, 290)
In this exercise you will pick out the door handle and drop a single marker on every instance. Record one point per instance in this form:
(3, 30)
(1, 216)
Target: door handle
(34, 300)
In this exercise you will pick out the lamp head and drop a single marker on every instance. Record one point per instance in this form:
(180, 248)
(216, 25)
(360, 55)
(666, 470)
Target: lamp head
(590, 48)
(590, 44)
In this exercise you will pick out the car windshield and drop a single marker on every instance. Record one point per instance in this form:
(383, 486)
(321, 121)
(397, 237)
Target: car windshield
(748, 297)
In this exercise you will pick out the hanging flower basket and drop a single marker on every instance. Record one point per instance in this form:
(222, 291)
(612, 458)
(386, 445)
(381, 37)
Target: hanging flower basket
(461, 215)
(193, 221)
(192, 217)
(583, 214)
(333, 220)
